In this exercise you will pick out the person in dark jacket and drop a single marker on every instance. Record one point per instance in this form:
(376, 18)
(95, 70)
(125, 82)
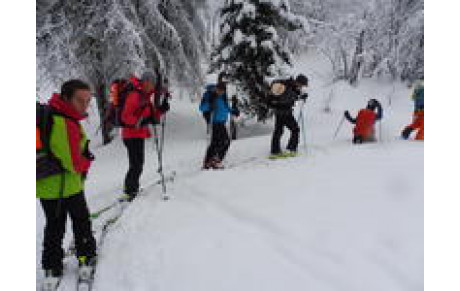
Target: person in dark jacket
(215, 108)
(364, 130)
(284, 94)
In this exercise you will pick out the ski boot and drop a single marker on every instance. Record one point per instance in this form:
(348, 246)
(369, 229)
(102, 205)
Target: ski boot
(217, 164)
(86, 267)
(52, 280)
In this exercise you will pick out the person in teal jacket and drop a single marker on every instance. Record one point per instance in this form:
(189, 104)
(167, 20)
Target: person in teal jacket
(215, 108)
(61, 193)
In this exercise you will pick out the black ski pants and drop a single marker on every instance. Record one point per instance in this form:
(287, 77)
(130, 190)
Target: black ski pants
(136, 157)
(220, 142)
(285, 120)
(56, 212)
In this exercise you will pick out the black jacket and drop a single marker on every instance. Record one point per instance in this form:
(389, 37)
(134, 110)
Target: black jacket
(284, 103)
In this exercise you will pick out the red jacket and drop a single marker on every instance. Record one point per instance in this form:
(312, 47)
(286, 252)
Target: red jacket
(138, 106)
(74, 132)
(365, 123)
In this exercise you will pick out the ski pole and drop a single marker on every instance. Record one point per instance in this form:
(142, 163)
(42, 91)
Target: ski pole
(304, 137)
(160, 166)
(162, 140)
(339, 127)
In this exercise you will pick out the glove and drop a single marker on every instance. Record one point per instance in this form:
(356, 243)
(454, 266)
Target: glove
(86, 152)
(406, 132)
(207, 116)
(304, 96)
(164, 107)
(146, 121)
(346, 114)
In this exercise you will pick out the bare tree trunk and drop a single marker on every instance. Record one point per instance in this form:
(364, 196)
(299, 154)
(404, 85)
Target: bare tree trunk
(357, 59)
(345, 62)
(102, 106)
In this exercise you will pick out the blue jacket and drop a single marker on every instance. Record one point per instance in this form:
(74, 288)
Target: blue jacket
(217, 106)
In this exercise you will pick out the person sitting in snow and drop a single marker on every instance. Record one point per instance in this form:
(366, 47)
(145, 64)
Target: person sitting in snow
(282, 98)
(364, 130)
(214, 106)
(418, 116)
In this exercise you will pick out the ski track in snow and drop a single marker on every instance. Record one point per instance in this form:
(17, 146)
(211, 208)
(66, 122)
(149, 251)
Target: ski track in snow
(293, 224)
(288, 246)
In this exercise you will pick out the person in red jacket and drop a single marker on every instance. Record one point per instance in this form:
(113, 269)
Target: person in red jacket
(138, 112)
(364, 130)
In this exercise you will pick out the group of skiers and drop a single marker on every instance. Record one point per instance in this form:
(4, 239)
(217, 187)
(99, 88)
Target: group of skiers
(64, 158)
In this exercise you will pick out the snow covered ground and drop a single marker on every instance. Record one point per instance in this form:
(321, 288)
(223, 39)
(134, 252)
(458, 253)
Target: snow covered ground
(339, 217)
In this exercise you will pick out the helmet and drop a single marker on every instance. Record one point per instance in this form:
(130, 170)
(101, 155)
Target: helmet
(302, 79)
(372, 104)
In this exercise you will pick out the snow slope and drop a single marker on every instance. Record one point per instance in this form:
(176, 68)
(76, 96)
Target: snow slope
(339, 217)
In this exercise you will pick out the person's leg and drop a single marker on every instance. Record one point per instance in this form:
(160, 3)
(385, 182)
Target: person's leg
(211, 152)
(136, 152)
(54, 233)
(292, 125)
(223, 141)
(277, 133)
(81, 225)
(419, 126)
(357, 139)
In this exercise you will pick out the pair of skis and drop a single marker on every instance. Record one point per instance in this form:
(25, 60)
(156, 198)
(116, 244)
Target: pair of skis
(86, 273)
(118, 204)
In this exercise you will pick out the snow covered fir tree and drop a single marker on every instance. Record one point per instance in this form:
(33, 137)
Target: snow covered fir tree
(250, 50)
(253, 145)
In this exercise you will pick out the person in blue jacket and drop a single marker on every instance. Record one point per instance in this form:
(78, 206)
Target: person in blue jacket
(215, 108)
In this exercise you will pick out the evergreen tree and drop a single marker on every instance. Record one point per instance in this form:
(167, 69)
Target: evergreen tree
(250, 50)
(103, 40)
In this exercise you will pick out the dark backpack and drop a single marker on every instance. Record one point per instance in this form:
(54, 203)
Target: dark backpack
(119, 90)
(47, 163)
(210, 92)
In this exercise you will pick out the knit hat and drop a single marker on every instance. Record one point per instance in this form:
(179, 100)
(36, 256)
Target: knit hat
(302, 79)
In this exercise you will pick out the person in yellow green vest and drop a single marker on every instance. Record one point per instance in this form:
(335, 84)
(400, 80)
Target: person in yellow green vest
(63, 160)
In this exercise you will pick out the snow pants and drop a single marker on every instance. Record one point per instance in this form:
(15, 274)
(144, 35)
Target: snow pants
(281, 121)
(56, 214)
(220, 142)
(136, 157)
(417, 125)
